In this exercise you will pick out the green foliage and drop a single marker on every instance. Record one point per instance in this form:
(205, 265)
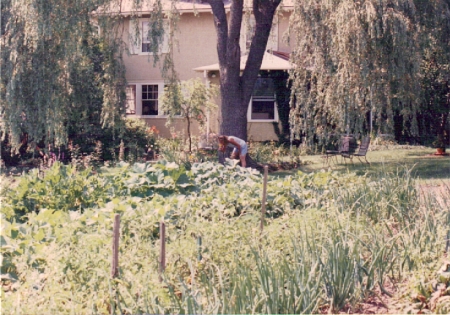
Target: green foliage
(177, 151)
(63, 77)
(328, 240)
(436, 93)
(266, 287)
(60, 188)
(172, 150)
(189, 100)
(59, 77)
(138, 138)
(366, 56)
(272, 152)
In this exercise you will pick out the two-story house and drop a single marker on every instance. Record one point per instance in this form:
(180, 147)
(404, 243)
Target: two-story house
(195, 55)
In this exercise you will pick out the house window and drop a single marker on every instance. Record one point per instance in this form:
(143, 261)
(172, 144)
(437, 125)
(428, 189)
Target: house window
(262, 105)
(262, 109)
(150, 99)
(143, 99)
(131, 99)
(140, 40)
(145, 37)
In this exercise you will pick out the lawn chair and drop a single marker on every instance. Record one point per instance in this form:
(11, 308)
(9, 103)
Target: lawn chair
(329, 154)
(347, 145)
(363, 148)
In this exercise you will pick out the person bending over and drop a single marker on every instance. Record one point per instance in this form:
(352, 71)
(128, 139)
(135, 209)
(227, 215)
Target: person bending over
(240, 147)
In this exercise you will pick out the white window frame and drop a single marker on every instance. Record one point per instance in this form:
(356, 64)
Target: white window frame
(138, 99)
(130, 91)
(267, 99)
(135, 42)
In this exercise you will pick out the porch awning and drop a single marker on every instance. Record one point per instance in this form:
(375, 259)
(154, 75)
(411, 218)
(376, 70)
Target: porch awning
(269, 62)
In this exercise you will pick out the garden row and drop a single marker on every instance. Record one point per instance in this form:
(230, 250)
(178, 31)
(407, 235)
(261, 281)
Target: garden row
(330, 241)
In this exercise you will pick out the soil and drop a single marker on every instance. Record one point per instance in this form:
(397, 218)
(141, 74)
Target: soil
(379, 302)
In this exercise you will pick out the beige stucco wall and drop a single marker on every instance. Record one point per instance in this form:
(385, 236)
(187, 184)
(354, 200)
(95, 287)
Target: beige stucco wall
(179, 127)
(261, 131)
(194, 46)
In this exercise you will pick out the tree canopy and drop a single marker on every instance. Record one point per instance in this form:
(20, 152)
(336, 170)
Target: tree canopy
(56, 72)
(383, 58)
(62, 70)
(359, 58)
(188, 100)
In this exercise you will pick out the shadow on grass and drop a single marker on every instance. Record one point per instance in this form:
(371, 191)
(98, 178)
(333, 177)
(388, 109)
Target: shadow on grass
(432, 169)
(421, 168)
(423, 165)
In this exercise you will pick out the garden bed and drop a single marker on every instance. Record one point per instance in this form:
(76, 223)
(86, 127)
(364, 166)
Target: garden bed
(315, 223)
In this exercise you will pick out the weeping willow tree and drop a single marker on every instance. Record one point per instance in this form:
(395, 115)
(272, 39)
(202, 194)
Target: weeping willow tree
(356, 62)
(56, 71)
(435, 71)
(62, 69)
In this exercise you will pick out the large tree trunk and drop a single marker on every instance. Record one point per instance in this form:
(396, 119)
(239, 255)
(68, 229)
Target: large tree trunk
(236, 89)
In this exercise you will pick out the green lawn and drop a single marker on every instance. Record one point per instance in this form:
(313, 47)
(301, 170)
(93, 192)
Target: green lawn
(424, 165)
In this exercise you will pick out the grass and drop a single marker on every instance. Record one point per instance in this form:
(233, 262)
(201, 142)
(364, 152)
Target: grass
(426, 168)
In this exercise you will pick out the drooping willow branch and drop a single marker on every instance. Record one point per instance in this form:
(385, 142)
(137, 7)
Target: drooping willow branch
(353, 58)
(61, 75)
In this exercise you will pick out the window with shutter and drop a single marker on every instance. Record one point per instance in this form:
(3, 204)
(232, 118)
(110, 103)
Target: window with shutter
(143, 99)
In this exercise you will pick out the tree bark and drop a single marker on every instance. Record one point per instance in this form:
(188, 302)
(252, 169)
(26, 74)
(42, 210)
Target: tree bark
(236, 89)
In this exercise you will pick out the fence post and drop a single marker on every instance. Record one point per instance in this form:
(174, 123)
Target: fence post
(264, 197)
(115, 247)
(162, 252)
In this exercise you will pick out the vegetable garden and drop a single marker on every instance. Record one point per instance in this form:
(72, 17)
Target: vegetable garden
(330, 241)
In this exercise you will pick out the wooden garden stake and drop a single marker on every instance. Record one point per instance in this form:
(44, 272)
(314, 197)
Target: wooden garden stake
(199, 244)
(162, 252)
(115, 247)
(447, 243)
(264, 196)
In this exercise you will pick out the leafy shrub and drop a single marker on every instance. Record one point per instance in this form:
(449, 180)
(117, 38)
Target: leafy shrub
(138, 138)
(132, 144)
(176, 150)
(272, 152)
(60, 188)
(10, 156)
